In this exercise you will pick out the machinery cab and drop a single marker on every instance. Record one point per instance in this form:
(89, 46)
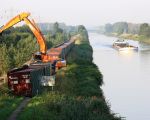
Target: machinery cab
(57, 63)
(37, 57)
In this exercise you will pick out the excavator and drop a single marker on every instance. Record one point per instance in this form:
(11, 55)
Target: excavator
(42, 55)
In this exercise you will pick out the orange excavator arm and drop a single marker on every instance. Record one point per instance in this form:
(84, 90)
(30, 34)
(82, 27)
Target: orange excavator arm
(36, 31)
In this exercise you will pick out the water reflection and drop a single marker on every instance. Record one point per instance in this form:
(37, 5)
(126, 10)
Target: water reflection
(126, 53)
(126, 76)
(144, 46)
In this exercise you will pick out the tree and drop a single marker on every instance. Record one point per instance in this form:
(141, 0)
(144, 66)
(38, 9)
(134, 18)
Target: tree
(120, 27)
(145, 30)
(108, 28)
(4, 59)
(83, 32)
(133, 28)
(56, 27)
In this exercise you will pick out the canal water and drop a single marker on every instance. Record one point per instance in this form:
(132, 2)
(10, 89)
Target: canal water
(126, 76)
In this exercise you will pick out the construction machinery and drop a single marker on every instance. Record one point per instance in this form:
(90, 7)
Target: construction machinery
(42, 54)
(29, 80)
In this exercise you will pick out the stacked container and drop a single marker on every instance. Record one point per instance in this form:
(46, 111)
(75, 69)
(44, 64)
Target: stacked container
(26, 81)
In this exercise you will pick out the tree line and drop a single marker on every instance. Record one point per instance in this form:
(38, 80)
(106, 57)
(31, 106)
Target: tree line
(127, 28)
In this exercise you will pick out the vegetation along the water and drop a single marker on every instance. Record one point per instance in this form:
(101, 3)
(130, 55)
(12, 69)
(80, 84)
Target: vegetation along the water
(140, 32)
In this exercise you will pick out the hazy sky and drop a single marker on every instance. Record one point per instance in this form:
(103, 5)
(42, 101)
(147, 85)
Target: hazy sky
(74, 12)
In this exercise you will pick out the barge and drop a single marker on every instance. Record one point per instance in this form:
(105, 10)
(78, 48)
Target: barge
(122, 45)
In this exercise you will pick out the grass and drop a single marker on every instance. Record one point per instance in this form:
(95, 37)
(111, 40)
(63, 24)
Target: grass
(136, 37)
(8, 103)
(77, 94)
(56, 106)
(130, 36)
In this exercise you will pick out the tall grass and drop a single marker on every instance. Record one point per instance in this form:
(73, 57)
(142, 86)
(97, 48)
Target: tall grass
(8, 103)
(58, 106)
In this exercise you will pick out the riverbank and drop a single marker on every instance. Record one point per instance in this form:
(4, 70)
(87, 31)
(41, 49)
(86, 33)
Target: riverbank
(77, 95)
(135, 37)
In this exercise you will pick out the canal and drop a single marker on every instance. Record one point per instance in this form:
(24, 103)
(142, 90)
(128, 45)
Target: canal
(126, 76)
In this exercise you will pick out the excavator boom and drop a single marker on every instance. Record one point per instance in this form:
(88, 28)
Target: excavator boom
(36, 31)
(42, 56)
(14, 21)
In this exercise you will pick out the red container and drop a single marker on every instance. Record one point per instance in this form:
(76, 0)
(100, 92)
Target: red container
(26, 81)
(19, 82)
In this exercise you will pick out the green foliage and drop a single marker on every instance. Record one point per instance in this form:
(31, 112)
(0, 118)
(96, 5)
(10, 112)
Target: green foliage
(4, 59)
(120, 27)
(57, 36)
(49, 27)
(140, 32)
(84, 75)
(133, 28)
(23, 29)
(49, 40)
(108, 28)
(8, 103)
(25, 48)
(55, 106)
(16, 48)
(84, 38)
(145, 30)
(80, 80)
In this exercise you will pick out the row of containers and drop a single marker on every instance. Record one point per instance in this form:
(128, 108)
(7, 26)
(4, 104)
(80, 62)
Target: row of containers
(62, 50)
(30, 80)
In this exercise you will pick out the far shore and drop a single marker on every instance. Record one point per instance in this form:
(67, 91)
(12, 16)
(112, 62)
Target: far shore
(135, 37)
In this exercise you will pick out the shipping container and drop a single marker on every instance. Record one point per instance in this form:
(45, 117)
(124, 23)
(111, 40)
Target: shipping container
(46, 67)
(26, 81)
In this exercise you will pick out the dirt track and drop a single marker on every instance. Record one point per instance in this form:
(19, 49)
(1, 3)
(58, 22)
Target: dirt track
(14, 115)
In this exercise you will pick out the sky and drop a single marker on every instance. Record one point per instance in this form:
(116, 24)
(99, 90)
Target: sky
(75, 12)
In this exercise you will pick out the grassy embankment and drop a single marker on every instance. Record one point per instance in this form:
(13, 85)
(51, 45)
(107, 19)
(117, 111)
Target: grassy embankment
(77, 94)
(136, 37)
(8, 103)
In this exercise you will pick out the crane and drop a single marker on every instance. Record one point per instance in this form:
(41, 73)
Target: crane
(36, 31)
(42, 55)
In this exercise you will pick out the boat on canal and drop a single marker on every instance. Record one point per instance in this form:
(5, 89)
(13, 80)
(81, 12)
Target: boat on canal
(122, 45)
